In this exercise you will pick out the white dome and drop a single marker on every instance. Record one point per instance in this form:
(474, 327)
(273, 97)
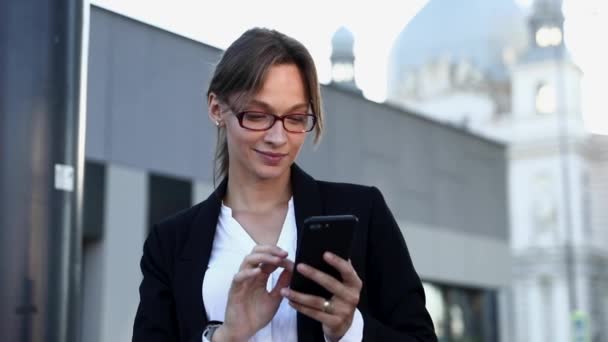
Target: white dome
(482, 33)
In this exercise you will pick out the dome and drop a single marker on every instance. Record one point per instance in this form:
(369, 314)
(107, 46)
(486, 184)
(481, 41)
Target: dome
(342, 43)
(482, 33)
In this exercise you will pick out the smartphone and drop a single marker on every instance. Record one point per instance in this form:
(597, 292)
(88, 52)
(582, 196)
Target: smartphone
(320, 234)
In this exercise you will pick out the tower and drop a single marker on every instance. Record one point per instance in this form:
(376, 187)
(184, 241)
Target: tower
(546, 80)
(512, 76)
(343, 59)
(549, 186)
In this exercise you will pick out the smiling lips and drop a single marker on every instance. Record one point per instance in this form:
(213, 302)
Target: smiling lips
(270, 158)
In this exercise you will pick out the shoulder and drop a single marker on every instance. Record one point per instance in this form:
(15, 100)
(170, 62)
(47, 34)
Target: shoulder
(180, 220)
(171, 233)
(348, 195)
(352, 191)
(344, 187)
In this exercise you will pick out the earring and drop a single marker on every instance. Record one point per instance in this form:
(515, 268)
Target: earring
(217, 123)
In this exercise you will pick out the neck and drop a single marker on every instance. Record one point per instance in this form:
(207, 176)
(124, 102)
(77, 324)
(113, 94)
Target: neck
(248, 193)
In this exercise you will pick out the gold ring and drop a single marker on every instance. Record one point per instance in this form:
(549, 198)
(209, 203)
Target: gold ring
(327, 307)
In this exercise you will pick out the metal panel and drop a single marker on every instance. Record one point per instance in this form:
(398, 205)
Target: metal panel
(41, 170)
(153, 83)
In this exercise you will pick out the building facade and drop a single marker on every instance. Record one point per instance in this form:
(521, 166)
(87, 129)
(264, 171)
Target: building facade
(528, 96)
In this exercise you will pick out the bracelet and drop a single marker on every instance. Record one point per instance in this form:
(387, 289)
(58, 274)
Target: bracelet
(210, 329)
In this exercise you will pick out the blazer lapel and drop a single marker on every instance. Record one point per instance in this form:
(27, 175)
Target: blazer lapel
(193, 261)
(306, 196)
(307, 202)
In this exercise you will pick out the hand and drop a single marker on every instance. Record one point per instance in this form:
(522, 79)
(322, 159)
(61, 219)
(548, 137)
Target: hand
(338, 317)
(250, 306)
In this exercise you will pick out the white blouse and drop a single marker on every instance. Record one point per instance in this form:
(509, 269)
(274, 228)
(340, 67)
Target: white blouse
(230, 246)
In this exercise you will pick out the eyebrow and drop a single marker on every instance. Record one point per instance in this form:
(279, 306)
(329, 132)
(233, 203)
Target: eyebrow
(269, 108)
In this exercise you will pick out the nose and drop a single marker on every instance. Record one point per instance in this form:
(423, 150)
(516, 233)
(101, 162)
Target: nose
(276, 135)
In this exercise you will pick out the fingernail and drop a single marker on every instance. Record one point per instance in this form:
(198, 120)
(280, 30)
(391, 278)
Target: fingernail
(284, 292)
(329, 255)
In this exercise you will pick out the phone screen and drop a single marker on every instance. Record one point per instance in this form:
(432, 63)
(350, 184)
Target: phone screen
(320, 234)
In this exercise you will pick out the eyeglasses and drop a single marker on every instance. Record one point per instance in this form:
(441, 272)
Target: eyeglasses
(259, 121)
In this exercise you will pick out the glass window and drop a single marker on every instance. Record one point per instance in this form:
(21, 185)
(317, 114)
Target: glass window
(462, 314)
(167, 195)
(546, 99)
(93, 200)
(435, 304)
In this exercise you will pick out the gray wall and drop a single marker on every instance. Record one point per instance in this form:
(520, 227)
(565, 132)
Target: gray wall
(147, 110)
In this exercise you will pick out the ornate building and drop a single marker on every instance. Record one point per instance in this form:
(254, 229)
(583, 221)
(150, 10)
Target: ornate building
(496, 71)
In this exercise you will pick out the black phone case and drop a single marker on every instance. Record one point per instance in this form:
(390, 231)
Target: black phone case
(320, 234)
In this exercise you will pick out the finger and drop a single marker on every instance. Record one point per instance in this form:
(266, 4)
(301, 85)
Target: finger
(282, 282)
(330, 283)
(269, 268)
(269, 249)
(311, 301)
(324, 318)
(346, 269)
(255, 259)
(242, 276)
(288, 265)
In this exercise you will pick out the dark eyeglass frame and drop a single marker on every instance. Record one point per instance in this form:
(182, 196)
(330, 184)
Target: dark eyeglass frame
(275, 117)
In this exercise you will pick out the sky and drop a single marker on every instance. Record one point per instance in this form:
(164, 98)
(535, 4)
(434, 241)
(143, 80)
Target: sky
(375, 25)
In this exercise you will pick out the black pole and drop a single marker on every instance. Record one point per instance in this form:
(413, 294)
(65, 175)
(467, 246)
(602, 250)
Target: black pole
(41, 169)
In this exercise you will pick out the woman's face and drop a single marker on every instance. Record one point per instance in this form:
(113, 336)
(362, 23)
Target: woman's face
(268, 154)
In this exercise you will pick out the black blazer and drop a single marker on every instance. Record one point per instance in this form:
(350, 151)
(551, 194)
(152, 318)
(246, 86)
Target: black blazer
(177, 251)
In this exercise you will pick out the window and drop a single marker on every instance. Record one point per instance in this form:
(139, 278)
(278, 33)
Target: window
(93, 200)
(546, 99)
(548, 36)
(343, 72)
(462, 314)
(167, 195)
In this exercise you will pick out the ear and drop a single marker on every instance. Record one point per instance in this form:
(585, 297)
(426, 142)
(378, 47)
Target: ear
(215, 109)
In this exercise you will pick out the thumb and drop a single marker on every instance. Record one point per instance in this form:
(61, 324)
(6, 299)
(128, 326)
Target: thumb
(282, 282)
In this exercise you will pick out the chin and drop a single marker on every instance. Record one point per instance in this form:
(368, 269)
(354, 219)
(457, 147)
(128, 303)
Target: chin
(267, 172)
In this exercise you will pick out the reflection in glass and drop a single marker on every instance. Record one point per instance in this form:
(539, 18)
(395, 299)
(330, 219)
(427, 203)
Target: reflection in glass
(436, 307)
(457, 322)
(462, 314)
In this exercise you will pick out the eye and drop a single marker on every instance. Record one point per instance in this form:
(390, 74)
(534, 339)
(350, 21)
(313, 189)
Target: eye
(253, 116)
(297, 119)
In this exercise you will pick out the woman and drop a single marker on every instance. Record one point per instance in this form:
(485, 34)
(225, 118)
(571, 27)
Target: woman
(220, 270)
